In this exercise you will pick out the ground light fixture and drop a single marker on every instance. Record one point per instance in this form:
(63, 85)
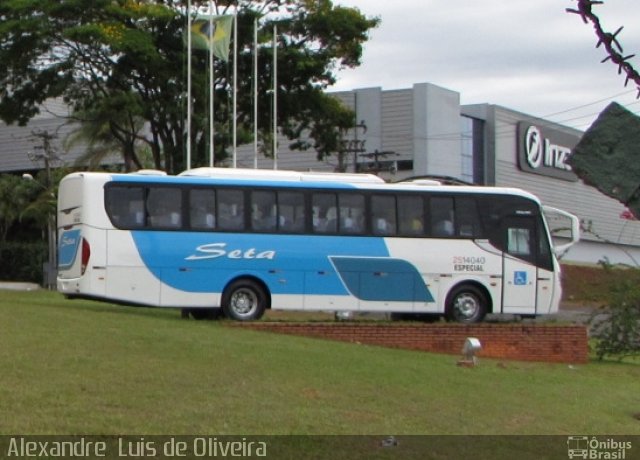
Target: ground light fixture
(471, 346)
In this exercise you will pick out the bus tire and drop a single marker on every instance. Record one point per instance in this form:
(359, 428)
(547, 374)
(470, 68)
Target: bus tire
(466, 304)
(244, 300)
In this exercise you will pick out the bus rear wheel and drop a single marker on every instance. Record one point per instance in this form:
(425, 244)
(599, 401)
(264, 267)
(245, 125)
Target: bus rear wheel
(466, 304)
(244, 300)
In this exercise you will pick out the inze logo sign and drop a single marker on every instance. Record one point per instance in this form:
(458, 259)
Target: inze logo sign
(540, 155)
(541, 150)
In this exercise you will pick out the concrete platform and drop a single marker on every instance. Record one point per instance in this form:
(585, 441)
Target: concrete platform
(18, 286)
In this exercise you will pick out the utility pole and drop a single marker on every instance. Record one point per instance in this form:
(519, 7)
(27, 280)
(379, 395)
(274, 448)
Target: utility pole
(353, 146)
(47, 154)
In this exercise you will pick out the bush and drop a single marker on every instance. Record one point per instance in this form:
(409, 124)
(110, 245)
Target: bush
(22, 261)
(617, 325)
(592, 284)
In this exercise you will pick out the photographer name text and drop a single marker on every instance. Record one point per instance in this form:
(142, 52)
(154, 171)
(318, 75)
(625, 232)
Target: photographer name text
(172, 447)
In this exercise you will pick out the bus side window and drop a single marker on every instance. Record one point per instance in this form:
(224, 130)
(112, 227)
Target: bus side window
(323, 206)
(519, 241)
(202, 209)
(467, 218)
(441, 212)
(164, 206)
(324, 212)
(410, 215)
(520, 234)
(351, 218)
(263, 211)
(125, 206)
(136, 212)
(291, 214)
(383, 214)
(230, 209)
(545, 258)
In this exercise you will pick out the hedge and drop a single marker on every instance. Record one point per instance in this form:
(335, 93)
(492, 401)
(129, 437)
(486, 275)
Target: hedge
(22, 261)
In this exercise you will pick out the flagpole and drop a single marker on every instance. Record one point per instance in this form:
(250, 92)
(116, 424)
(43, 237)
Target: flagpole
(255, 93)
(212, 92)
(188, 84)
(275, 97)
(235, 88)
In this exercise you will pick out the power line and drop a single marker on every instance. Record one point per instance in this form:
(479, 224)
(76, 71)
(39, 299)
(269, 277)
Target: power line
(595, 113)
(624, 93)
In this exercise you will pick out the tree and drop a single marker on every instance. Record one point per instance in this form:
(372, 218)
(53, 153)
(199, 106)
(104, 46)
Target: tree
(16, 195)
(608, 40)
(121, 65)
(606, 156)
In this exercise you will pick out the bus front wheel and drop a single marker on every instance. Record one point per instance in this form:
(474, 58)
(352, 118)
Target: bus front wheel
(244, 300)
(466, 304)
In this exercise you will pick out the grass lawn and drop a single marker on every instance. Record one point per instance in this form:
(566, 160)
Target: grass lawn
(79, 367)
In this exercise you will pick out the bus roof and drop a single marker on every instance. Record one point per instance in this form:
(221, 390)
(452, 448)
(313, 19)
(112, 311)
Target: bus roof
(281, 175)
(266, 178)
(373, 181)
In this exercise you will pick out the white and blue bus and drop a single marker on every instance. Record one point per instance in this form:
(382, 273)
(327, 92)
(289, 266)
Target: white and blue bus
(243, 241)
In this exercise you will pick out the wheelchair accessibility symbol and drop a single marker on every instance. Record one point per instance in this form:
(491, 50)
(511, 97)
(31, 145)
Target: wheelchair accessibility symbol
(520, 278)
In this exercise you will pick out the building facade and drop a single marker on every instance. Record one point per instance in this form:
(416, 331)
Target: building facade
(425, 131)
(422, 131)
(22, 148)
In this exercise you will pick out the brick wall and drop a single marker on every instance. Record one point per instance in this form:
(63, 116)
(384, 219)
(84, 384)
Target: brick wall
(546, 343)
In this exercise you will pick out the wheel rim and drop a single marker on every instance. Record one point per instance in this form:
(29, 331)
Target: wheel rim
(466, 306)
(243, 302)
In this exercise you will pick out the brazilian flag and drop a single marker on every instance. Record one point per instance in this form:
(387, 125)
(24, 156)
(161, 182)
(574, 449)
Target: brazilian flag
(213, 31)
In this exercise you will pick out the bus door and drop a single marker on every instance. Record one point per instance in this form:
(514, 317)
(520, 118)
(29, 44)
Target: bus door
(520, 274)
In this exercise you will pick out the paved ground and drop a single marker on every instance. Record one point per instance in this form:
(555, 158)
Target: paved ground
(576, 314)
(572, 314)
(18, 286)
(581, 315)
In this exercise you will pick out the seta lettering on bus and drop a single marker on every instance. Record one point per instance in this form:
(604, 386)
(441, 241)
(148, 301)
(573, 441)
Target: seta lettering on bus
(215, 250)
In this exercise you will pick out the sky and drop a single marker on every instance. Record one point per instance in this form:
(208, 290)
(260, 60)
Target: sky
(527, 55)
